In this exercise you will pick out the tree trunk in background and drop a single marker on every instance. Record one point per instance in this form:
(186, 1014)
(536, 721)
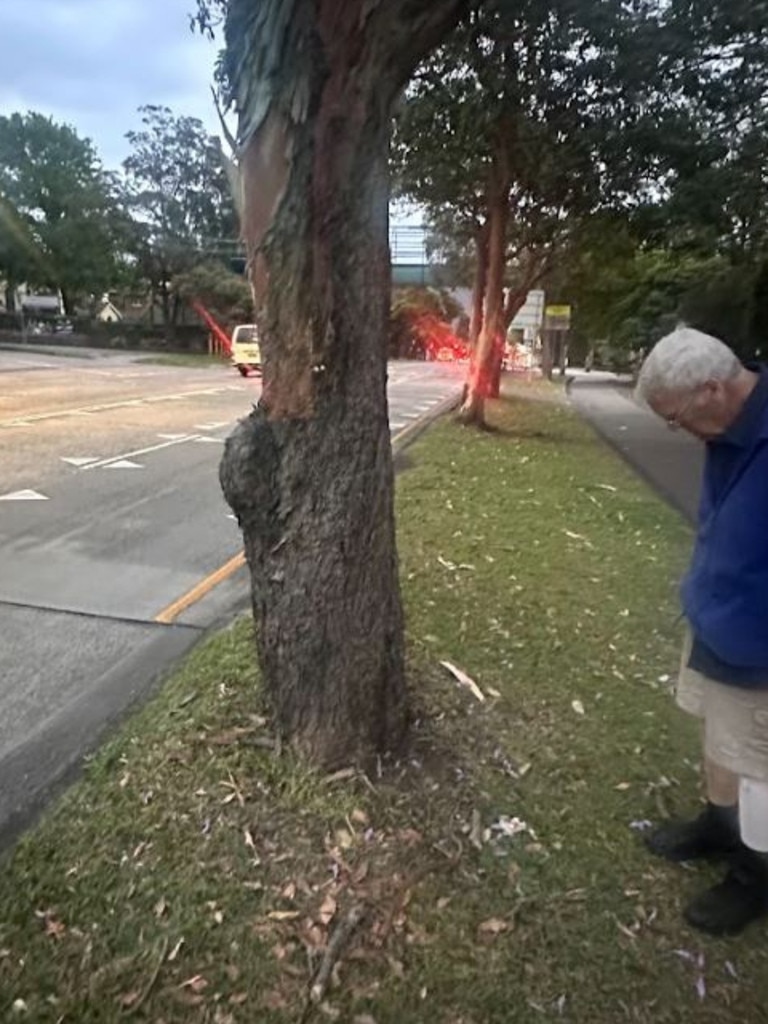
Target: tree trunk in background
(491, 335)
(513, 303)
(478, 285)
(309, 473)
(10, 297)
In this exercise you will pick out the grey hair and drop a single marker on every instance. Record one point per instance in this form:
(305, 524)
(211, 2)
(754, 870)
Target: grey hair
(684, 360)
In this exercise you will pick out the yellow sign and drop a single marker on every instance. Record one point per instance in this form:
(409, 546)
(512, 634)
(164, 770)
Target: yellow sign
(564, 311)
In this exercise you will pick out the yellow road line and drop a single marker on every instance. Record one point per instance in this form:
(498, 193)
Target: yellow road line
(199, 591)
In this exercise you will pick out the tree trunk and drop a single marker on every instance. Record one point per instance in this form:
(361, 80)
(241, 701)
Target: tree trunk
(478, 285)
(492, 334)
(10, 297)
(513, 303)
(68, 302)
(309, 474)
(547, 354)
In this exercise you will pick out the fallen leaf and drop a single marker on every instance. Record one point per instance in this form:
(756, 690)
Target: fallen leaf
(493, 926)
(283, 915)
(238, 998)
(289, 891)
(343, 838)
(161, 907)
(359, 817)
(127, 999)
(54, 928)
(463, 679)
(578, 707)
(327, 910)
(248, 837)
(197, 983)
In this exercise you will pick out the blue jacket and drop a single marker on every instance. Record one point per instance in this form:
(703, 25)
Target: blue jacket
(725, 593)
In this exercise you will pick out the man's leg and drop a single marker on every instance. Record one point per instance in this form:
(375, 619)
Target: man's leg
(716, 829)
(722, 785)
(742, 896)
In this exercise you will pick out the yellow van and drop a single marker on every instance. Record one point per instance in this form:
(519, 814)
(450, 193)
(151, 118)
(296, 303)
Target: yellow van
(246, 351)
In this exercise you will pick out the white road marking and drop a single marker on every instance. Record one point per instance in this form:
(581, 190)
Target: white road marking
(397, 426)
(172, 437)
(78, 461)
(210, 440)
(123, 464)
(24, 496)
(210, 426)
(140, 451)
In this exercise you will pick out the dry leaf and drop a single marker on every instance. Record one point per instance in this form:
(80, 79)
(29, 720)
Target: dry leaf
(578, 707)
(343, 838)
(197, 983)
(176, 950)
(359, 817)
(55, 928)
(129, 998)
(493, 926)
(463, 679)
(283, 915)
(289, 891)
(327, 910)
(161, 907)
(238, 998)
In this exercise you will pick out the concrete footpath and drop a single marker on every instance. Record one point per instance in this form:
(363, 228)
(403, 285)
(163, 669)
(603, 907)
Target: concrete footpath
(669, 460)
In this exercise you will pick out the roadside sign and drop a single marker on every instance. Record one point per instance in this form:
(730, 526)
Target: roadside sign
(557, 318)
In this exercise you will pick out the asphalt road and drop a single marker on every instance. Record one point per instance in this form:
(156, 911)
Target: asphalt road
(671, 461)
(112, 530)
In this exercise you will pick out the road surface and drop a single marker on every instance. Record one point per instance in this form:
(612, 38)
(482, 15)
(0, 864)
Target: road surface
(671, 461)
(112, 534)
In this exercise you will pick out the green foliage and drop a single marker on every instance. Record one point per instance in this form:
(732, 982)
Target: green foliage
(526, 92)
(179, 195)
(226, 295)
(419, 321)
(59, 215)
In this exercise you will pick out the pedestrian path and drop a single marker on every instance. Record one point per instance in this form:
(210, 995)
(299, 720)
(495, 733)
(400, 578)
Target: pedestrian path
(670, 460)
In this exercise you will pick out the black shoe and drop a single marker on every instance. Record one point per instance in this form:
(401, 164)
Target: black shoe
(715, 832)
(740, 899)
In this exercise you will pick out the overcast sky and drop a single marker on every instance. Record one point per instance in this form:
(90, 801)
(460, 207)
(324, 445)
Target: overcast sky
(91, 63)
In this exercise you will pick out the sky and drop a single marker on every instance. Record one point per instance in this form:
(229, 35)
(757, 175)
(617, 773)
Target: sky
(92, 63)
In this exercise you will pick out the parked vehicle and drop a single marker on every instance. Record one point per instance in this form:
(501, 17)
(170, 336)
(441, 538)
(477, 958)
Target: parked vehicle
(246, 351)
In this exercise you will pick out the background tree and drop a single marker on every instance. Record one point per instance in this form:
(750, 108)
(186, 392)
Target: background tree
(499, 139)
(180, 199)
(226, 295)
(58, 224)
(309, 474)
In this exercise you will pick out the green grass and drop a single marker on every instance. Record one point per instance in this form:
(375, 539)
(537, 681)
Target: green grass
(532, 559)
(201, 360)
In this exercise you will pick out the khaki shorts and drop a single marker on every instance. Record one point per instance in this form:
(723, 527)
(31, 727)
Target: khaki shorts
(735, 720)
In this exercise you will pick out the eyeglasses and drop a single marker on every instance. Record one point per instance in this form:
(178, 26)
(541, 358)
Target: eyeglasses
(674, 422)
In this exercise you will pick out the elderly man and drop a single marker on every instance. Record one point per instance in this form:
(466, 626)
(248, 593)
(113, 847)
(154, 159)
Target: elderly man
(695, 383)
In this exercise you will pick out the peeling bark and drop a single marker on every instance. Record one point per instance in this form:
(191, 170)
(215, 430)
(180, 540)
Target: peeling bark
(309, 474)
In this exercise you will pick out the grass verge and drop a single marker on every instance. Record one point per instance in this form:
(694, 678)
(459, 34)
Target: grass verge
(197, 874)
(201, 361)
